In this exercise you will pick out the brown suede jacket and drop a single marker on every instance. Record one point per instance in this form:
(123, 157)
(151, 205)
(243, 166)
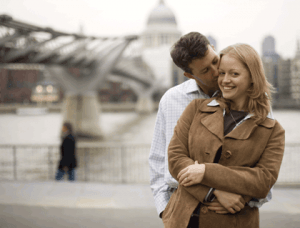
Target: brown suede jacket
(249, 165)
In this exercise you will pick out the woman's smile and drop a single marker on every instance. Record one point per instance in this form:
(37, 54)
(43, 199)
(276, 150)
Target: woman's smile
(228, 87)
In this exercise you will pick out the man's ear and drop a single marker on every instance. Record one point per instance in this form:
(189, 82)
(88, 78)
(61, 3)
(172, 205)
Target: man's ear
(188, 75)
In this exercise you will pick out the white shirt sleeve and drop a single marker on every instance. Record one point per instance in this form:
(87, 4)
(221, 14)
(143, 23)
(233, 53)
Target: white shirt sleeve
(157, 159)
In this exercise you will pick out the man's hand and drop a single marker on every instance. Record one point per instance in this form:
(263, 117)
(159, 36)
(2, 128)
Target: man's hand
(216, 207)
(231, 201)
(193, 174)
(65, 168)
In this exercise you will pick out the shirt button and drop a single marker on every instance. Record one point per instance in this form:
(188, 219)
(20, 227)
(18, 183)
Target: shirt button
(204, 209)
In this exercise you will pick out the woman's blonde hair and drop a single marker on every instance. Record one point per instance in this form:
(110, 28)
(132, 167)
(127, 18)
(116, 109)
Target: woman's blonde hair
(259, 94)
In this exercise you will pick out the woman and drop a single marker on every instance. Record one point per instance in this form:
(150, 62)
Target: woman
(229, 143)
(68, 161)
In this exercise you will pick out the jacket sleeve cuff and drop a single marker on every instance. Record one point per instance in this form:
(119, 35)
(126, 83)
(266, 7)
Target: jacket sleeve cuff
(210, 195)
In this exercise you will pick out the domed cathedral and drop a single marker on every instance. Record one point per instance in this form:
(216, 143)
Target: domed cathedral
(161, 27)
(160, 34)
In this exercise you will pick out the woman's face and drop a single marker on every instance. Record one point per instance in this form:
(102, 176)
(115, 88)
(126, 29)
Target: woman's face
(234, 80)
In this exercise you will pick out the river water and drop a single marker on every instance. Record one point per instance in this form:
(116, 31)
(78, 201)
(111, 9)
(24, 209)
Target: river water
(45, 129)
(126, 127)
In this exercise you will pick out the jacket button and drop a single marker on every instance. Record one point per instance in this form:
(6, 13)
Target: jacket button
(204, 209)
(227, 154)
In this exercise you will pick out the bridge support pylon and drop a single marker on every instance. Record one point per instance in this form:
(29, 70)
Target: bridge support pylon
(145, 104)
(83, 112)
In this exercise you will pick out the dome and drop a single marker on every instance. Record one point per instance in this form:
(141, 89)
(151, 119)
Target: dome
(161, 15)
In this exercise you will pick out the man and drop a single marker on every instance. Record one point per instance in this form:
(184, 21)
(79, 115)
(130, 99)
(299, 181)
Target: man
(199, 61)
(68, 160)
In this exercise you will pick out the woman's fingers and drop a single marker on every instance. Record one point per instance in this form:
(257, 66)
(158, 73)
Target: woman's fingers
(185, 181)
(193, 174)
(182, 172)
(183, 178)
(188, 183)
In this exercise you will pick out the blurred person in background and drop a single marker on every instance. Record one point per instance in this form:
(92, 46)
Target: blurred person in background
(68, 161)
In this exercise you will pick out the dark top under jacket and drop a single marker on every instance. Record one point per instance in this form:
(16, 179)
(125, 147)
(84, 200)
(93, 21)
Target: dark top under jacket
(68, 153)
(230, 123)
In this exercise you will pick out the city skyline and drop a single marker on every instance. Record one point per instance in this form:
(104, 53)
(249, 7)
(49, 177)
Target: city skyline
(242, 21)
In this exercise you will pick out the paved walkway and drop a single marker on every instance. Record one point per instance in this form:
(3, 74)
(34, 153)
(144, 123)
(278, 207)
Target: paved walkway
(76, 195)
(79, 204)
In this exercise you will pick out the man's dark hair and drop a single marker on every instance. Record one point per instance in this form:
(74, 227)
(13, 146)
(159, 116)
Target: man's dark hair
(189, 47)
(68, 126)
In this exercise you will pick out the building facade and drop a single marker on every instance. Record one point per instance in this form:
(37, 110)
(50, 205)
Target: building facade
(295, 76)
(277, 71)
(17, 82)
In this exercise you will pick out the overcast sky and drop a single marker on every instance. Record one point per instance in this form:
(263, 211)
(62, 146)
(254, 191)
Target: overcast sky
(228, 21)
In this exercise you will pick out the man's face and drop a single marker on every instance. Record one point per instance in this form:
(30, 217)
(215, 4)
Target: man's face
(205, 71)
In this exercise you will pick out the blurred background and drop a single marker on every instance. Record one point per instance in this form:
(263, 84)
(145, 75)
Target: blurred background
(104, 65)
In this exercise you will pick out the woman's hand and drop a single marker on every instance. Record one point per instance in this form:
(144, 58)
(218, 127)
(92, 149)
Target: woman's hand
(193, 174)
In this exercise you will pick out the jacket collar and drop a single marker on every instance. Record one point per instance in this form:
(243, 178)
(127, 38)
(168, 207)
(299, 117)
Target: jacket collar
(215, 122)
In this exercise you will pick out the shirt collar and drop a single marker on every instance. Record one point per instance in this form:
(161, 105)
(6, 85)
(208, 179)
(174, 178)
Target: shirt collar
(192, 87)
(214, 103)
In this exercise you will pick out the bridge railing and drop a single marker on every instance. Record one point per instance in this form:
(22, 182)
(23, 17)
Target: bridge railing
(111, 164)
(106, 164)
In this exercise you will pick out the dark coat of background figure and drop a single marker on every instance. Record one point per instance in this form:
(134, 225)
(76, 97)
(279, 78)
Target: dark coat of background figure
(68, 153)
(68, 160)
